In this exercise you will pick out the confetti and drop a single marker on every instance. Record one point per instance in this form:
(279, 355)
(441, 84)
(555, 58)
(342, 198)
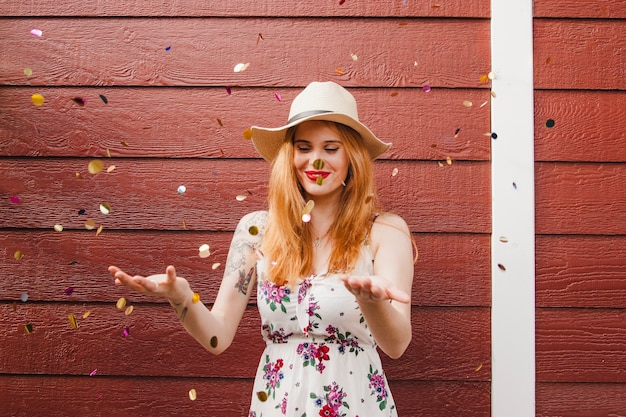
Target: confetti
(478, 368)
(111, 168)
(426, 88)
(215, 266)
(126, 332)
(95, 166)
(241, 197)
(195, 298)
(448, 160)
(72, 320)
(94, 372)
(354, 57)
(253, 230)
(68, 291)
(18, 255)
(319, 180)
(36, 32)
(456, 132)
(87, 314)
(502, 268)
(306, 212)
(24, 297)
(192, 394)
(491, 75)
(181, 189)
(262, 396)
(550, 123)
(37, 99)
(213, 342)
(494, 135)
(339, 71)
(28, 72)
(125, 144)
(79, 100)
(259, 38)
(504, 239)
(121, 303)
(90, 224)
(467, 103)
(168, 48)
(318, 164)
(14, 199)
(278, 97)
(204, 251)
(228, 91)
(484, 78)
(28, 328)
(104, 99)
(241, 67)
(58, 227)
(105, 208)
(394, 172)
(247, 134)
(515, 186)
(129, 310)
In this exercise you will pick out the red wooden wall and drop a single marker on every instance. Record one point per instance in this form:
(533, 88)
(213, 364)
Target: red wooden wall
(580, 84)
(149, 89)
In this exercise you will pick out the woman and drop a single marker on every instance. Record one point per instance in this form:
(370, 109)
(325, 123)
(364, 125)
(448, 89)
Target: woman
(333, 276)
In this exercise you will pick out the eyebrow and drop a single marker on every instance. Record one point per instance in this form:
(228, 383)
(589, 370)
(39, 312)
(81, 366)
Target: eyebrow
(332, 141)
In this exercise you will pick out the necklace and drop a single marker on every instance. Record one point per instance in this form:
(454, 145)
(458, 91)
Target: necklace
(318, 240)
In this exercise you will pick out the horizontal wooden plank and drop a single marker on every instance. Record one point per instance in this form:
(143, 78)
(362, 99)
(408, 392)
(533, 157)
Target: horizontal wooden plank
(373, 8)
(580, 400)
(203, 52)
(580, 198)
(448, 343)
(579, 54)
(79, 262)
(585, 126)
(598, 9)
(581, 271)
(581, 345)
(142, 193)
(27, 396)
(209, 122)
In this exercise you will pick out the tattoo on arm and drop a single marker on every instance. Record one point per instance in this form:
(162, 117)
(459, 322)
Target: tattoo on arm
(244, 281)
(180, 314)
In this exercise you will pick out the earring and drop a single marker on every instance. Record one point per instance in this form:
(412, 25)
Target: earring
(343, 183)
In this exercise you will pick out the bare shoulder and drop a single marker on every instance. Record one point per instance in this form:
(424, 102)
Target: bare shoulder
(251, 227)
(389, 224)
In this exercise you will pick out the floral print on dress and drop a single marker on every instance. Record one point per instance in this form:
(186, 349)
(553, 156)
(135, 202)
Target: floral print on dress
(378, 386)
(314, 354)
(275, 295)
(331, 401)
(273, 375)
(344, 340)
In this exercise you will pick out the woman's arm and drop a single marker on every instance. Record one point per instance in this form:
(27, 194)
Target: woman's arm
(384, 298)
(213, 328)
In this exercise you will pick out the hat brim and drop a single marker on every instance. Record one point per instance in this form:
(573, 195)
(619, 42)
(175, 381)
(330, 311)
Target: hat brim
(268, 141)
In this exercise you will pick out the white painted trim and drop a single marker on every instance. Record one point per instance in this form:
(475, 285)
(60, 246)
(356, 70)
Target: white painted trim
(513, 214)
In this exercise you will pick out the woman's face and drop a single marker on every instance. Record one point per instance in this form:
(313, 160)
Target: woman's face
(320, 159)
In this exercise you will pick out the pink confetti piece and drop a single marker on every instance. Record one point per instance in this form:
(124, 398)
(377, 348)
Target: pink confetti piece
(228, 90)
(278, 97)
(426, 88)
(126, 332)
(94, 372)
(36, 32)
(68, 291)
(15, 199)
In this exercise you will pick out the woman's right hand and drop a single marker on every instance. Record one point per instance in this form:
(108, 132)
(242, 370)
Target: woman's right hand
(175, 289)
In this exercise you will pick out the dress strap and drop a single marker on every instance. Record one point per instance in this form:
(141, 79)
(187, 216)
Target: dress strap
(369, 230)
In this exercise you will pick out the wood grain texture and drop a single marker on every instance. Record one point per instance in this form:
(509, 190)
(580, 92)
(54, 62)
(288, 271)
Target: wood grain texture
(589, 126)
(78, 261)
(449, 344)
(599, 9)
(579, 54)
(581, 345)
(209, 122)
(580, 198)
(293, 52)
(581, 271)
(28, 396)
(580, 400)
(243, 8)
(142, 193)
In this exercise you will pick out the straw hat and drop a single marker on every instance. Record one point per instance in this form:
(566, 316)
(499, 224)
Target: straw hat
(318, 101)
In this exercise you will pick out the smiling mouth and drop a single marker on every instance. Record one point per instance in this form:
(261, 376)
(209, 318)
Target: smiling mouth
(314, 175)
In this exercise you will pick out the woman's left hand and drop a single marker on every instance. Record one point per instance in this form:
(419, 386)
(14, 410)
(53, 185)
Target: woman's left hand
(374, 289)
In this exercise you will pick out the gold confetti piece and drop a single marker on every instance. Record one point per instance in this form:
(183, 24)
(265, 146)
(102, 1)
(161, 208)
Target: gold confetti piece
(502, 267)
(215, 266)
(253, 230)
(449, 160)
(99, 230)
(124, 143)
(184, 224)
(548, 60)
(121, 303)
(394, 94)
(318, 164)
(72, 320)
(204, 251)
(493, 94)
(478, 368)
(28, 328)
(439, 163)
(319, 180)
(18, 255)
(467, 103)
(79, 175)
(504, 239)
(129, 310)
(37, 99)
(108, 151)
(90, 224)
(247, 134)
(213, 342)
(262, 396)
(219, 122)
(241, 197)
(28, 72)
(354, 57)
(58, 227)
(308, 207)
(484, 78)
(192, 394)
(111, 168)
(259, 38)
(95, 166)
(394, 172)
(339, 71)
(195, 297)
(87, 314)
(241, 67)
(105, 208)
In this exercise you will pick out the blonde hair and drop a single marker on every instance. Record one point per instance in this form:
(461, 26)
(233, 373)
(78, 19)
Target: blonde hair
(288, 240)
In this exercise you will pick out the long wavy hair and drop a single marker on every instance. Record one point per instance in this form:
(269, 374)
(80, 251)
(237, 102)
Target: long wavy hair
(288, 240)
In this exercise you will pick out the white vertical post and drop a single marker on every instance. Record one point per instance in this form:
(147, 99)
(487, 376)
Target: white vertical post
(513, 221)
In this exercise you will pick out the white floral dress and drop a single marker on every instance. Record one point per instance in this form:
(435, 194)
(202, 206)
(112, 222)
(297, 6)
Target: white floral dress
(320, 358)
